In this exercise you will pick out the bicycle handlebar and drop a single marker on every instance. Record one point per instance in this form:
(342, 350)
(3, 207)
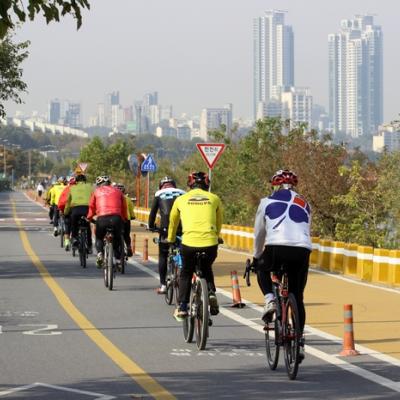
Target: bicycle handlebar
(250, 267)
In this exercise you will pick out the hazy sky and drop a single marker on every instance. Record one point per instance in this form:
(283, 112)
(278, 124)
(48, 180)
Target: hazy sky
(196, 54)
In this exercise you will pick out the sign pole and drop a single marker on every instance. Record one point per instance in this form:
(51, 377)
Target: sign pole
(209, 176)
(146, 203)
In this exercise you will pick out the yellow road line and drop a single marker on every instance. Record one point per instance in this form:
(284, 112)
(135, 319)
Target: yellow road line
(138, 374)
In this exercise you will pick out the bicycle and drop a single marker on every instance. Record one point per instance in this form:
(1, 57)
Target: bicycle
(83, 245)
(198, 319)
(124, 257)
(283, 329)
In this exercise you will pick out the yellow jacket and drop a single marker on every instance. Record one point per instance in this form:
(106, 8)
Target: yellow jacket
(79, 195)
(48, 195)
(56, 191)
(201, 215)
(129, 208)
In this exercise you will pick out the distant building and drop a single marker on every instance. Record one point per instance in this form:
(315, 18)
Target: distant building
(183, 132)
(112, 99)
(73, 115)
(54, 111)
(163, 131)
(213, 118)
(388, 138)
(273, 43)
(101, 114)
(297, 105)
(356, 77)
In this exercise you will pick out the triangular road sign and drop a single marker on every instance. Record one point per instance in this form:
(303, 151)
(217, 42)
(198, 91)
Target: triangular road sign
(210, 152)
(83, 166)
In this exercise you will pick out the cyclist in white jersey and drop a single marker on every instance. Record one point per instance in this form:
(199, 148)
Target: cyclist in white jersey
(282, 237)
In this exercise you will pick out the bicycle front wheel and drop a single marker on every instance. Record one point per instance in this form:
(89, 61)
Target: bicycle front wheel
(61, 233)
(291, 337)
(105, 269)
(272, 343)
(202, 316)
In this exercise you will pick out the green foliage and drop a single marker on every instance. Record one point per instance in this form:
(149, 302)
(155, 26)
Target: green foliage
(11, 57)
(14, 11)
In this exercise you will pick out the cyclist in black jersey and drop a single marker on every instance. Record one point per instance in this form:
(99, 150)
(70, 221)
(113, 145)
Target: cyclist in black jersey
(163, 200)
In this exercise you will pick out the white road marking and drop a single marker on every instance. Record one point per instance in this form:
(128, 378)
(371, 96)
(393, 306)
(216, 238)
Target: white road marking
(97, 396)
(46, 330)
(332, 359)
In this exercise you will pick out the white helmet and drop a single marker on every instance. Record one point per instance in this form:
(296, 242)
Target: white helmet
(100, 180)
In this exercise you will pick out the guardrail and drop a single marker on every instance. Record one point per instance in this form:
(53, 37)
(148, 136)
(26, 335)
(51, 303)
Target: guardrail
(366, 263)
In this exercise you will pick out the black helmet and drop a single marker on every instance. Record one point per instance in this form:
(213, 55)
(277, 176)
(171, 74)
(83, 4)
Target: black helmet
(166, 180)
(198, 179)
(80, 178)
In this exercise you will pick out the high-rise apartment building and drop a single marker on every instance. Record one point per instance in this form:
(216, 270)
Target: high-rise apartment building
(54, 111)
(273, 57)
(297, 105)
(356, 77)
(212, 119)
(73, 115)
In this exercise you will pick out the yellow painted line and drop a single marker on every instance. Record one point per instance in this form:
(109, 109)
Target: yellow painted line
(132, 369)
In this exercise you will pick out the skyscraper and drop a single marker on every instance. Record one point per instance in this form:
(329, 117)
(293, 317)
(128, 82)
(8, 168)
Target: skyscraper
(273, 58)
(356, 77)
(212, 118)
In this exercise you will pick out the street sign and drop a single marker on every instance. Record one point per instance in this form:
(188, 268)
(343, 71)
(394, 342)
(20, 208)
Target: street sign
(83, 166)
(210, 152)
(133, 163)
(149, 165)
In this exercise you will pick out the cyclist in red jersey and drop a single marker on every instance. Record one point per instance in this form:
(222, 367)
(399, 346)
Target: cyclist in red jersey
(109, 205)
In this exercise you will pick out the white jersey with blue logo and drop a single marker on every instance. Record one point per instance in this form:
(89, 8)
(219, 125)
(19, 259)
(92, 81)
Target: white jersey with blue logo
(282, 219)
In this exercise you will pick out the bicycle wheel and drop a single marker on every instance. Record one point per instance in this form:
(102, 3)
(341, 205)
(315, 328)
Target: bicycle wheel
(175, 284)
(169, 293)
(291, 337)
(202, 316)
(61, 231)
(82, 248)
(110, 266)
(105, 272)
(272, 343)
(123, 256)
(188, 322)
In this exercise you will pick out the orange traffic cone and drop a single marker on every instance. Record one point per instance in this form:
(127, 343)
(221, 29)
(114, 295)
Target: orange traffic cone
(348, 340)
(237, 299)
(146, 249)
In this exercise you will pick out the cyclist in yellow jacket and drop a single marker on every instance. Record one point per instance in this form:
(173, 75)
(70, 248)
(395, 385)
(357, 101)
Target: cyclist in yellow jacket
(200, 213)
(48, 202)
(77, 206)
(56, 191)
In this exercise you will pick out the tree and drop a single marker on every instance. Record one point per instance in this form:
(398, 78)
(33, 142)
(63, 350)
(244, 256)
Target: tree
(13, 12)
(11, 57)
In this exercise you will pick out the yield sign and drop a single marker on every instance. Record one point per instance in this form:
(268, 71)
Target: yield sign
(82, 166)
(210, 152)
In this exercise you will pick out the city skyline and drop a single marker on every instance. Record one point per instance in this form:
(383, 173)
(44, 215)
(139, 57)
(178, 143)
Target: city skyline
(208, 68)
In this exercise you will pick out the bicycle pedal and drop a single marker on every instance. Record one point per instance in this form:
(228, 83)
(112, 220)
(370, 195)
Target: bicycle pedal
(210, 322)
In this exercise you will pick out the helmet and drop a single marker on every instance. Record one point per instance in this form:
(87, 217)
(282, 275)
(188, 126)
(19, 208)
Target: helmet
(61, 179)
(72, 180)
(284, 176)
(121, 187)
(166, 180)
(200, 179)
(101, 180)
(80, 178)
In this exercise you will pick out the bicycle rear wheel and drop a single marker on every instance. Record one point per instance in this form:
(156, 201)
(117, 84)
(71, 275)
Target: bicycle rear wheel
(82, 248)
(175, 284)
(291, 336)
(272, 343)
(110, 266)
(169, 293)
(61, 232)
(202, 316)
(123, 255)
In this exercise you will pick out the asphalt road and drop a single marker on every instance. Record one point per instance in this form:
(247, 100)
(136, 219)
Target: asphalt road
(63, 335)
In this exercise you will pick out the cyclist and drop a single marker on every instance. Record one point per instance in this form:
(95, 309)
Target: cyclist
(201, 215)
(109, 204)
(56, 191)
(77, 206)
(48, 202)
(131, 216)
(61, 206)
(163, 200)
(282, 237)
(40, 189)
